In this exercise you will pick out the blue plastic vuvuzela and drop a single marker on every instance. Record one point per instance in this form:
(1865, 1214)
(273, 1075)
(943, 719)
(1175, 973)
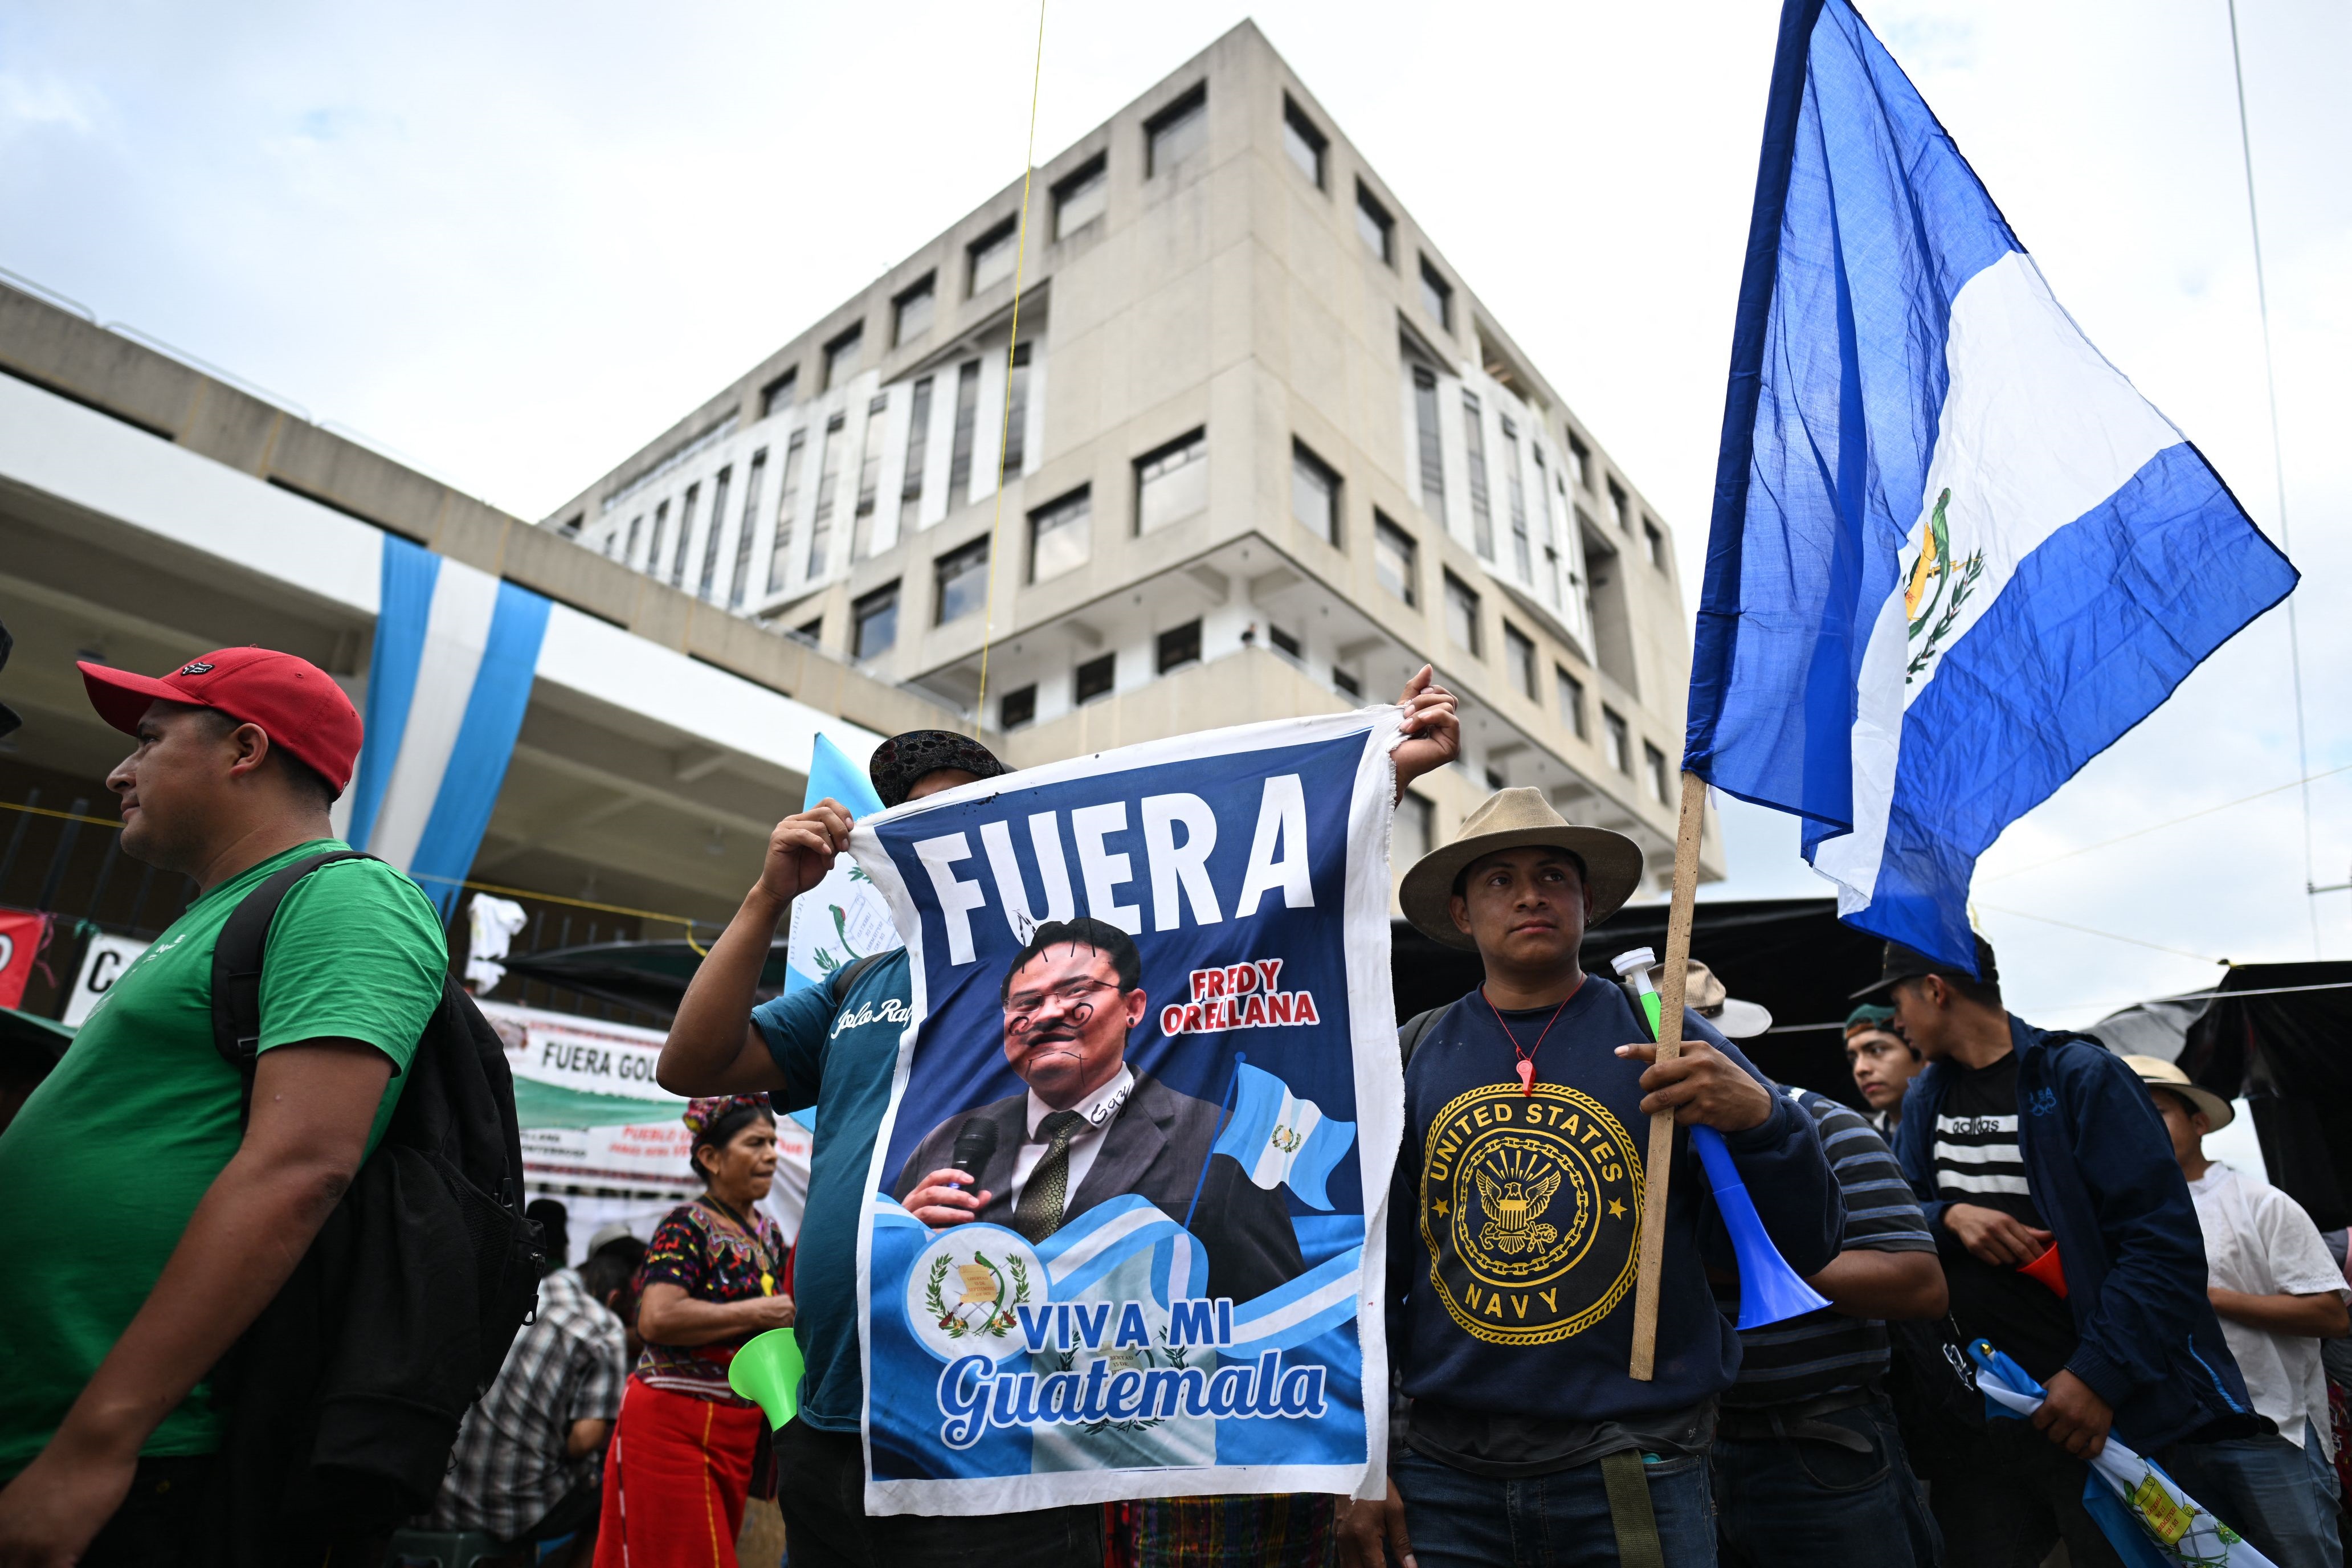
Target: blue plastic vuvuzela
(1769, 1290)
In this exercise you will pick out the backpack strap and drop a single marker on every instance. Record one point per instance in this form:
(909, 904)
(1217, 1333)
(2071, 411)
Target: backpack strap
(1409, 1035)
(838, 985)
(236, 964)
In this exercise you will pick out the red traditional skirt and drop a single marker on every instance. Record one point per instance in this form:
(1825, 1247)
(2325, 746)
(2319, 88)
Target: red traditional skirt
(675, 1481)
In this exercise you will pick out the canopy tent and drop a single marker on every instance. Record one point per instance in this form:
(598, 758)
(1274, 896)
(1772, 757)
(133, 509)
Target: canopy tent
(650, 976)
(2280, 1035)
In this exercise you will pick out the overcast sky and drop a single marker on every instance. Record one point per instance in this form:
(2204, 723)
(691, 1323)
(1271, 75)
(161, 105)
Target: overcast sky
(511, 244)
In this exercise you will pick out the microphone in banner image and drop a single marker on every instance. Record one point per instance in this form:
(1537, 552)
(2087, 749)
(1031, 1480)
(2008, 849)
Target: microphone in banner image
(1090, 1128)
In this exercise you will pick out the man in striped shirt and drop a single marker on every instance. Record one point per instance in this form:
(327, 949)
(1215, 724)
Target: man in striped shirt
(1809, 1467)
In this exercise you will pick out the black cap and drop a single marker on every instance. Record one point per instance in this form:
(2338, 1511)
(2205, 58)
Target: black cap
(899, 762)
(1907, 964)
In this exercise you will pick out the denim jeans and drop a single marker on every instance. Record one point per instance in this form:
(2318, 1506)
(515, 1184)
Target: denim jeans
(2281, 1498)
(1803, 1502)
(1458, 1520)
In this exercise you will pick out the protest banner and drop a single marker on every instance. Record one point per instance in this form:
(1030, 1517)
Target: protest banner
(1172, 1289)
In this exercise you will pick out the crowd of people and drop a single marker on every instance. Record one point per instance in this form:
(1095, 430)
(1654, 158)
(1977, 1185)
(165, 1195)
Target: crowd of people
(2008, 1185)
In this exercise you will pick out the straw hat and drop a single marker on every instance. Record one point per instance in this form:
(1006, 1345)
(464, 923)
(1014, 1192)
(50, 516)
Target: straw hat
(1704, 993)
(1512, 819)
(2161, 1074)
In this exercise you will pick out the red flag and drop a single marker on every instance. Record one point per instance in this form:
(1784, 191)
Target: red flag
(20, 942)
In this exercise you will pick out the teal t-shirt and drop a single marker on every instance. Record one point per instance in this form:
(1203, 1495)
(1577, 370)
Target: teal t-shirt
(109, 1156)
(841, 1062)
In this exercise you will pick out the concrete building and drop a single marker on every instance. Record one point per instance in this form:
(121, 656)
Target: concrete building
(1263, 452)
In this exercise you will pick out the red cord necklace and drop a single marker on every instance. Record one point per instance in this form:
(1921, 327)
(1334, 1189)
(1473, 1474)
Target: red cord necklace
(1526, 1055)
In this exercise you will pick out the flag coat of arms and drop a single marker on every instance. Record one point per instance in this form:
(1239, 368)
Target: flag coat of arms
(1155, 984)
(1954, 554)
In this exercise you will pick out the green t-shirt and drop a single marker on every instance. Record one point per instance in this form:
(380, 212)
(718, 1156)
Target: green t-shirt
(108, 1158)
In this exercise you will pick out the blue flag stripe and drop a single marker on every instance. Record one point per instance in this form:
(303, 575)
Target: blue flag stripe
(403, 600)
(486, 738)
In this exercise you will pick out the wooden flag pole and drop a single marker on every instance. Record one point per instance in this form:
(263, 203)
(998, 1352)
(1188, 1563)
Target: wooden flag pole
(1659, 1168)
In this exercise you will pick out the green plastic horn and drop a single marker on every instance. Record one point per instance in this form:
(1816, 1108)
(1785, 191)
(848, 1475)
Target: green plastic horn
(767, 1371)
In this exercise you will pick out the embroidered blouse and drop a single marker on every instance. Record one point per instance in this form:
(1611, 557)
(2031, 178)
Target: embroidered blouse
(710, 1260)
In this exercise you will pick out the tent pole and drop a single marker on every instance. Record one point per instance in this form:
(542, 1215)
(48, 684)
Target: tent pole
(1658, 1169)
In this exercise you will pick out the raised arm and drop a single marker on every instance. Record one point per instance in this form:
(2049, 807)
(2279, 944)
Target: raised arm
(712, 1047)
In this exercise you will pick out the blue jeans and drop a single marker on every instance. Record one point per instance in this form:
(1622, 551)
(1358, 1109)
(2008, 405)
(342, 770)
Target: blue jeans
(1458, 1520)
(1807, 1502)
(2281, 1498)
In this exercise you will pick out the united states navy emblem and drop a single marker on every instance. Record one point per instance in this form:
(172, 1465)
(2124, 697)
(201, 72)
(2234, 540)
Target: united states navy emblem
(1530, 1206)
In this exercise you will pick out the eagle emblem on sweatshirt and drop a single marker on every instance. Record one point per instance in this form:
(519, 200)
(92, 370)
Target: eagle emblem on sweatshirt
(1514, 1206)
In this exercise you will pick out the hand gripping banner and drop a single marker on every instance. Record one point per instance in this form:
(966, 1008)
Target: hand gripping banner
(1152, 1019)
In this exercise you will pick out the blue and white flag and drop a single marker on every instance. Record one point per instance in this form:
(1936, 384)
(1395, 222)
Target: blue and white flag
(1277, 1138)
(1151, 1301)
(842, 919)
(455, 650)
(1954, 554)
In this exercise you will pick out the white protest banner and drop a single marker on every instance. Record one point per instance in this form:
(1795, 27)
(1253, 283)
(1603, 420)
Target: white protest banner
(1159, 979)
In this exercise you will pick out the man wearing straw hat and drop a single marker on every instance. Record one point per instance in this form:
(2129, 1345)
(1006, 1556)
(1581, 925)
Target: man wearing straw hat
(1513, 1222)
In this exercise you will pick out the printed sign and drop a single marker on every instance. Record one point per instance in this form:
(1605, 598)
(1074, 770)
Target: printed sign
(20, 942)
(103, 962)
(1153, 984)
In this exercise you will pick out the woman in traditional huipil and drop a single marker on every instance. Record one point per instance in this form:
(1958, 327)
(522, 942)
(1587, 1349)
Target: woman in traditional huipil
(685, 1449)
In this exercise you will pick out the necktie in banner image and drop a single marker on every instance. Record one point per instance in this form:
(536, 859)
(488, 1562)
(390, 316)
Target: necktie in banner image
(1039, 1213)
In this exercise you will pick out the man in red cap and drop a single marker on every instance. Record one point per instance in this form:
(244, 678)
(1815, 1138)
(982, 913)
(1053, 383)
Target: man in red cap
(133, 1275)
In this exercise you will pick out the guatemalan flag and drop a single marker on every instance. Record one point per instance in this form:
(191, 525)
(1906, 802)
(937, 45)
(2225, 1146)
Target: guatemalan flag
(456, 652)
(1954, 554)
(1276, 1137)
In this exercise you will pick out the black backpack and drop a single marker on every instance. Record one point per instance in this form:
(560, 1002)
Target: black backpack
(342, 1402)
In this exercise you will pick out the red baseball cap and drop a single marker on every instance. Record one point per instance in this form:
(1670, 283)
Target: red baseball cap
(296, 703)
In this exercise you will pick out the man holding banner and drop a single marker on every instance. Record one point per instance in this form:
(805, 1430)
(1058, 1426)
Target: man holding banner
(852, 1048)
(1513, 1226)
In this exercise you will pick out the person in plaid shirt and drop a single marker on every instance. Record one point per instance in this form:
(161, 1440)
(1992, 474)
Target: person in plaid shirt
(526, 1468)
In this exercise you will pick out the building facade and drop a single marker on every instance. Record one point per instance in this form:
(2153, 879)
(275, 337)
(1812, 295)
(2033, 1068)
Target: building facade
(1262, 452)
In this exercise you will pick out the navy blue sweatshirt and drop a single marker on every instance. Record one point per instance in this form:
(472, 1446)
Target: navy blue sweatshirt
(2102, 1173)
(1514, 1219)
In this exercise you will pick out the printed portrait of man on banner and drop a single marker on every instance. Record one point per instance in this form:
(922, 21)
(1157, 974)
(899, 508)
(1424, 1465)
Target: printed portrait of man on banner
(1117, 1245)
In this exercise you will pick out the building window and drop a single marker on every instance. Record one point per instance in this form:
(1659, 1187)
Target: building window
(1017, 707)
(787, 506)
(841, 355)
(1551, 526)
(1436, 295)
(1653, 763)
(1374, 226)
(1393, 552)
(1017, 412)
(1061, 535)
(1346, 683)
(711, 537)
(874, 622)
(967, 416)
(828, 481)
(1415, 832)
(571, 527)
(747, 531)
(629, 551)
(1515, 487)
(1179, 646)
(994, 254)
(1176, 131)
(912, 311)
(778, 394)
(1569, 692)
(1474, 446)
(869, 479)
(1095, 678)
(685, 535)
(1619, 508)
(959, 582)
(918, 448)
(1313, 494)
(1617, 743)
(1173, 482)
(1080, 199)
(1284, 642)
(1432, 444)
(1580, 460)
(811, 632)
(1462, 615)
(1655, 543)
(661, 532)
(1304, 142)
(1519, 661)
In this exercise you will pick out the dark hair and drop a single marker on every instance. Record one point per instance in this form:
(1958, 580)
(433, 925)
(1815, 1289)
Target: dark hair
(1584, 876)
(628, 1249)
(1983, 992)
(604, 1273)
(555, 1226)
(1084, 931)
(721, 1132)
(306, 779)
